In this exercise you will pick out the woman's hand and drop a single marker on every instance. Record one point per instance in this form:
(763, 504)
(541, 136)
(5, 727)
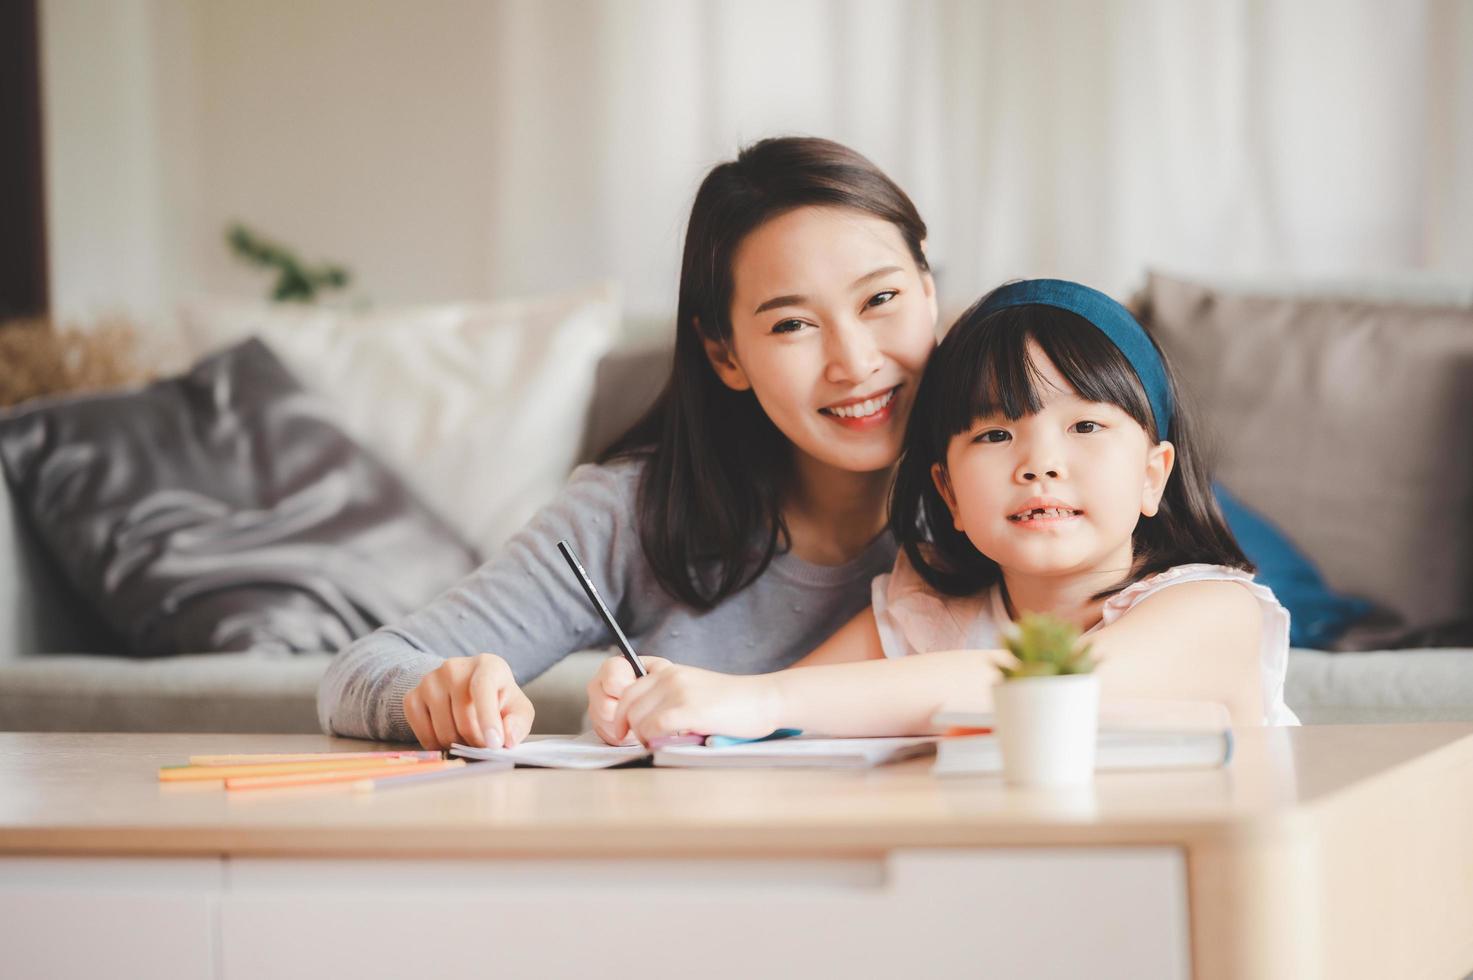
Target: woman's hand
(608, 686)
(471, 700)
(675, 699)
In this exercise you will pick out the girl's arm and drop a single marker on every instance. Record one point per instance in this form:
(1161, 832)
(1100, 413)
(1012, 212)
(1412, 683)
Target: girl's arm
(858, 639)
(870, 697)
(1198, 641)
(885, 697)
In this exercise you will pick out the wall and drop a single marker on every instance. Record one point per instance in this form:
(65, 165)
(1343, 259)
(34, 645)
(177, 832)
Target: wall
(460, 149)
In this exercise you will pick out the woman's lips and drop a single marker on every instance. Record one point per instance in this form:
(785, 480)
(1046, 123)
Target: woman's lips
(868, 414)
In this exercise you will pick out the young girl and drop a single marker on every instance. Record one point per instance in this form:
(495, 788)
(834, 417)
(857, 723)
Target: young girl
(750, 502)
(1047, 468)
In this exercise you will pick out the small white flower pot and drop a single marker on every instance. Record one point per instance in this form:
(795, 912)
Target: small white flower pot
(1047, 728)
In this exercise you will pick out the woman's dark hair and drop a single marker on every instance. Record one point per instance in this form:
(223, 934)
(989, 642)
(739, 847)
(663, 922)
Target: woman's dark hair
(982, 368)
(710, 518)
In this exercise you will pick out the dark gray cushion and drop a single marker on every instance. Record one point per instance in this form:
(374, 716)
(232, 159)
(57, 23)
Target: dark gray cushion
(222, 510)
(40, 611)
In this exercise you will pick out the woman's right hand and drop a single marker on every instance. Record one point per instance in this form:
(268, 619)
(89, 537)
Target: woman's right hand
(613, 678)
(471, 700)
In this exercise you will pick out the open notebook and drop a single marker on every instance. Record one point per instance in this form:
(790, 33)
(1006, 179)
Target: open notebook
(588, 751)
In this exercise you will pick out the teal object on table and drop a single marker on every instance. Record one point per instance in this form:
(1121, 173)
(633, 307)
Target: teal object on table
(717, 741)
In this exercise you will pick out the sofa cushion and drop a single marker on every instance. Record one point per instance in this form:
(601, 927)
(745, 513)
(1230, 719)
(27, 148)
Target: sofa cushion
(222, 511)
(1380, 686)
(1344, 422)
(251, 691)
(248, 691)
(479, 407)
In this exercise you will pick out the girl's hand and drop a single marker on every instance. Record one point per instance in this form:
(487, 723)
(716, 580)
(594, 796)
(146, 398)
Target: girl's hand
(675, 699)
(608, 686)
(471, 700)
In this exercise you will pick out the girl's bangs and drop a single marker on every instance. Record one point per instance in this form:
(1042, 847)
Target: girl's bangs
(992, 374)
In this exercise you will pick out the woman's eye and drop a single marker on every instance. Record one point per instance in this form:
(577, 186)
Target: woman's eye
(788, 326)
(1087, 427)
(880, 299)
(992, 435)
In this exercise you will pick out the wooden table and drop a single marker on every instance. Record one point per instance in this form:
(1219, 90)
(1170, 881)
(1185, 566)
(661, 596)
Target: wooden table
(1321, 852)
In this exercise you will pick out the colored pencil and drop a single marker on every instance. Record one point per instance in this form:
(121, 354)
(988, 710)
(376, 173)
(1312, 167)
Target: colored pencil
(238, 783)
(263, 758)
(174, 774)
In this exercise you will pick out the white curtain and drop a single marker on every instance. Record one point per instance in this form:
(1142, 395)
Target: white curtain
(1081, 139)
(460, 149)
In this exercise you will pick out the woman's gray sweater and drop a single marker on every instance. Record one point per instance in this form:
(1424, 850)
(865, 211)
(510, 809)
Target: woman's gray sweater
(525, 606)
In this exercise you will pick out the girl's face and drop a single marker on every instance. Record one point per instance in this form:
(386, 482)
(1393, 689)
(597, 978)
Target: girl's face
(832, 323)
(1058, 492)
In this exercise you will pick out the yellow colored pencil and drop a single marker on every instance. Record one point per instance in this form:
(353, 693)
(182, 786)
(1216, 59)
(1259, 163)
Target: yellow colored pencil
(174, 774)
(264, 758)
(341, 776)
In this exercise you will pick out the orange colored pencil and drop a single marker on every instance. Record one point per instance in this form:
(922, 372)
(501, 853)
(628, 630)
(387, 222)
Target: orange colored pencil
(174, 774)
(264, 758)
(340, 776)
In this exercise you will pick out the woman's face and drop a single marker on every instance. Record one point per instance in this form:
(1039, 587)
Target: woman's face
(832, 323)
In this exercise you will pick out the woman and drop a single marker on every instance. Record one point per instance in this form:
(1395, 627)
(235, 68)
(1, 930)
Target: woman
(740, 522)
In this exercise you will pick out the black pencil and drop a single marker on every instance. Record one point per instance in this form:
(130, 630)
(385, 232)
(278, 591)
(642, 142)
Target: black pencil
(603, 610)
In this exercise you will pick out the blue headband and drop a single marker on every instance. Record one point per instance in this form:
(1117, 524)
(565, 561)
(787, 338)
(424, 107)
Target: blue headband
(1112, 319)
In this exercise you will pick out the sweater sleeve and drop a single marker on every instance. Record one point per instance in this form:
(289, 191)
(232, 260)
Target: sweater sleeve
(523, 605)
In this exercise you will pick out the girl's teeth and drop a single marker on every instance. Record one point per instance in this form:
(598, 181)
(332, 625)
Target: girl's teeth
(1044, 512)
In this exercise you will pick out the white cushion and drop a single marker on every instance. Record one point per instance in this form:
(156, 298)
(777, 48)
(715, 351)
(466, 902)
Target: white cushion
(480, 407)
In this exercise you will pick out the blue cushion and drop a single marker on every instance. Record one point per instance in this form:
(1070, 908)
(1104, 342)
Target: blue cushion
(1316, 614)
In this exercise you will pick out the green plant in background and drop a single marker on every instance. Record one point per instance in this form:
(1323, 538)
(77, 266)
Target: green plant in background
(1045, 646)
(295, 282)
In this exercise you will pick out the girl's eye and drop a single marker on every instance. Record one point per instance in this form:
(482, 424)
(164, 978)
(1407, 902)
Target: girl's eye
(787, 326)
(880, 299)
(1087, 427)
(992, 435)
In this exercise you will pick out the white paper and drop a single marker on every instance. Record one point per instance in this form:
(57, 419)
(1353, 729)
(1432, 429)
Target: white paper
(586, 751)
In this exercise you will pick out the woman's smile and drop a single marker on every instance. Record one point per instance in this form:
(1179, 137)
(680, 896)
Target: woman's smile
(864, 412)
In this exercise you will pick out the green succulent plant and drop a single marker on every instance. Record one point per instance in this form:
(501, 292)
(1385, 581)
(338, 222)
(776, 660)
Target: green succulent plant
(1045, 646)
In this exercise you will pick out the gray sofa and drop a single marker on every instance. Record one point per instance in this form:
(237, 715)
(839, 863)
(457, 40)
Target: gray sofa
(56, 673)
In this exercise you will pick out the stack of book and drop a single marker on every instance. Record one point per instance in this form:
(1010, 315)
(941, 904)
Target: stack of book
(1126, 741)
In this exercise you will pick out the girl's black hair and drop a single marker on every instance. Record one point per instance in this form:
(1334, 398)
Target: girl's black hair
(982, 368)
(710, 518)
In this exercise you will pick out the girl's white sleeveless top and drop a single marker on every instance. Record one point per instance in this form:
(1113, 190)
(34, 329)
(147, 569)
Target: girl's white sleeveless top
(914, 618)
